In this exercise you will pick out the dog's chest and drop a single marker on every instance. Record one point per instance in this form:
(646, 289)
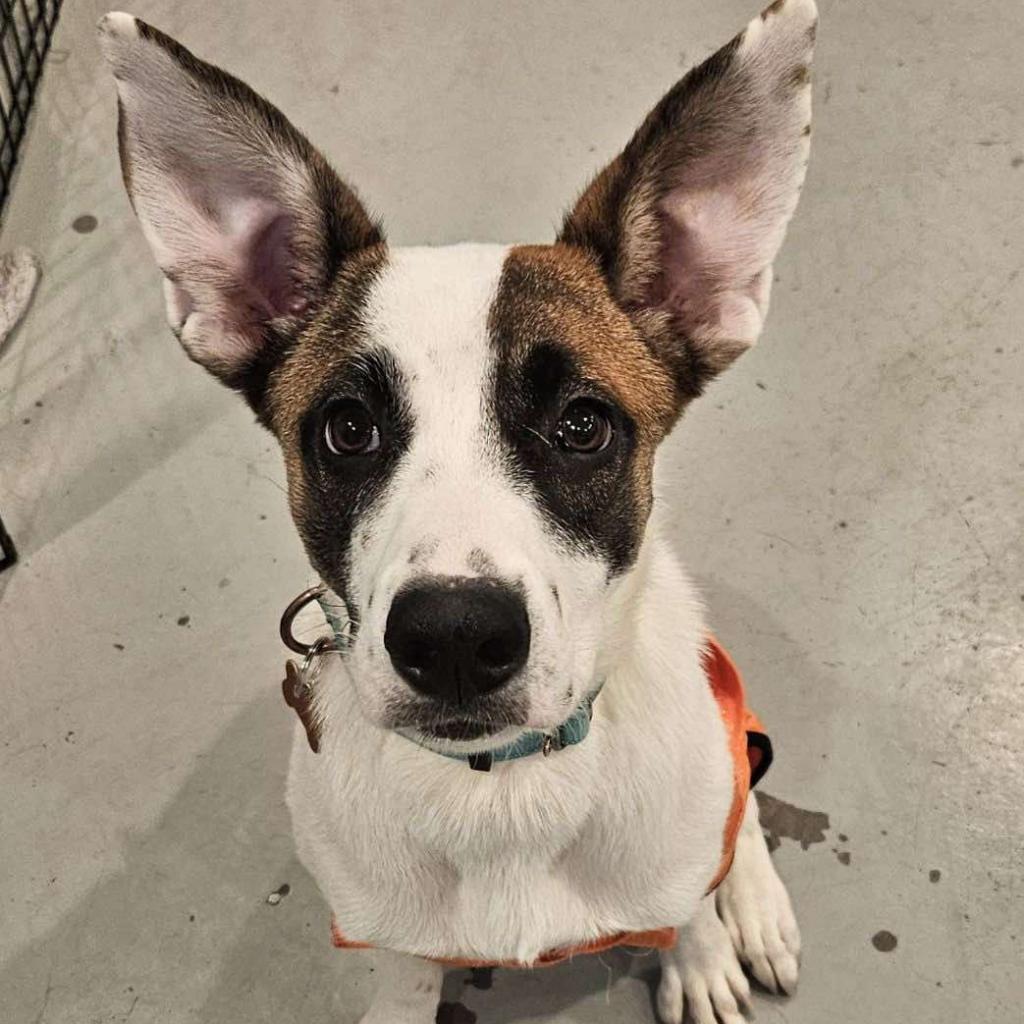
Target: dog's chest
(620, 833)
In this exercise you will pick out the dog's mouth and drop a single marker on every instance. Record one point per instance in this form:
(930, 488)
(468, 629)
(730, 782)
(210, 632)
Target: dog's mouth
(459, 725)
(459, 729)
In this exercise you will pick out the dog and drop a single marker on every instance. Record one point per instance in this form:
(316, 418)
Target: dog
(522, 744)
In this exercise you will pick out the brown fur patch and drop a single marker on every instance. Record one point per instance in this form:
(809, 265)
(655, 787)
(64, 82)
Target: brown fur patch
(318, 357)
(557, 293)
(774, 8)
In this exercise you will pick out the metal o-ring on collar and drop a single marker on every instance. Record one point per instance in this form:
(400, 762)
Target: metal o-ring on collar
(288, 618)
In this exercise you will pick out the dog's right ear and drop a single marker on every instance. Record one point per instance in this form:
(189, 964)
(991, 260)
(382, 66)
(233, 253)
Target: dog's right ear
(247, 221)
(686, 221)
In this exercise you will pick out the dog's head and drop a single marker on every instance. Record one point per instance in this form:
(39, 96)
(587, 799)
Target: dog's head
(469, 432)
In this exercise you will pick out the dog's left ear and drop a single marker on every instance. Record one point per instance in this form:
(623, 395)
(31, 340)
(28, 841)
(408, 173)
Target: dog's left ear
(686, 221)
(246, 219)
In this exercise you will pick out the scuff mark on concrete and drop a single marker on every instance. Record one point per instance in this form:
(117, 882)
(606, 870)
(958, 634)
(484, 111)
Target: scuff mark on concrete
(279, 894)
(46, 999)
(455, 1013)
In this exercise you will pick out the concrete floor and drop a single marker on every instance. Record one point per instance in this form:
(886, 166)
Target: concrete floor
(859, 539)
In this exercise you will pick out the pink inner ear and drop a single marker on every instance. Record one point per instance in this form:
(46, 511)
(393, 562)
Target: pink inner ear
(246, 273)
(705, 243)
(269, 269)
(716, 245)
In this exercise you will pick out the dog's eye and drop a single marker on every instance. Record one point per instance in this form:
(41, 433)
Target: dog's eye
(350, 429)
(584, 427)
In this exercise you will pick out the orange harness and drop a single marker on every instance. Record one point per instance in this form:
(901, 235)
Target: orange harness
(751, 756)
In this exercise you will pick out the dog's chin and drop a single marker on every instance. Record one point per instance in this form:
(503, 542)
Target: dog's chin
(458, 730)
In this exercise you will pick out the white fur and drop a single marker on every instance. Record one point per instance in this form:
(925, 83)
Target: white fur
(408, 989)
(702, 973)
(417, 854)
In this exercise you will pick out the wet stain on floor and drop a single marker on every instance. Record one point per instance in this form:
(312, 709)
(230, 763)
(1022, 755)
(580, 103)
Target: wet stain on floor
(884, 942)
(843, 856)
(781, 820)
(84, 224)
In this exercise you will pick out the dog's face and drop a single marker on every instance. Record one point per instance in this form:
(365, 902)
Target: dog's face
(469, 457)
(469, 432)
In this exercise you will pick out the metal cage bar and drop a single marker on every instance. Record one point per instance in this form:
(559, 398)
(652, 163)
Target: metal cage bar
(8, 556)
(26, 29)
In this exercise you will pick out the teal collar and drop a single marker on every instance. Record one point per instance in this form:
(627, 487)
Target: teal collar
(572, 731)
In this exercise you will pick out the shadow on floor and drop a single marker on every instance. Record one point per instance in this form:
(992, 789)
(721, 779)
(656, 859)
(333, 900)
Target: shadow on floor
(183, 930)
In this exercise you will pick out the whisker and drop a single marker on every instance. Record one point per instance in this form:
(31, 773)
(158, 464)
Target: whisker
(537, 434)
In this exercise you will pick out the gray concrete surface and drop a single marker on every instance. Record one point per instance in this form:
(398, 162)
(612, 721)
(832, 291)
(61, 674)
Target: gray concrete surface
(849, 496)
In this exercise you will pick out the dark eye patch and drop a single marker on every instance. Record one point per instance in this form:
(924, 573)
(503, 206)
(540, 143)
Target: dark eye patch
(555, 327)
(372, 379)
(339, 492)
(591, 500)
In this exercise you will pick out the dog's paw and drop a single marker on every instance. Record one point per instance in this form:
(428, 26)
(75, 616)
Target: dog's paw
(756, 911)
(702, 973)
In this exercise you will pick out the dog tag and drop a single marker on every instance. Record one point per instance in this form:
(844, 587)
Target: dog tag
(298, 694)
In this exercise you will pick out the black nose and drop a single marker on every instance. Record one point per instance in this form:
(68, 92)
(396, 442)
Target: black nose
(457, 639)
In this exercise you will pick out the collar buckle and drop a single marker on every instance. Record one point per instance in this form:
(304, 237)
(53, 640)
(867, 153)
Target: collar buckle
(553, 741)
(481, 762)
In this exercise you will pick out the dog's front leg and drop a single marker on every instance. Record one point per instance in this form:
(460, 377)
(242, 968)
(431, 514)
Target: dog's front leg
(408, 989)
(751, 919)
(702, 972)
(756, 910)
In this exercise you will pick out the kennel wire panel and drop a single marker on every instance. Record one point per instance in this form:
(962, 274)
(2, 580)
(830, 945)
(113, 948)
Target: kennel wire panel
(26, 29)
